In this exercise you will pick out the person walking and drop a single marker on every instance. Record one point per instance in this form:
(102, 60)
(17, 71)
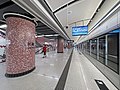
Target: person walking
(44, 50)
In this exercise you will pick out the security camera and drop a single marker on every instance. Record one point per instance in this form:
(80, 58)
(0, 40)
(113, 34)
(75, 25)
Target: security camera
(66, 27)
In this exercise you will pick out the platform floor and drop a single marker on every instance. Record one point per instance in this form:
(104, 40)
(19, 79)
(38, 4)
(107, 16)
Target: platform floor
(81, 75)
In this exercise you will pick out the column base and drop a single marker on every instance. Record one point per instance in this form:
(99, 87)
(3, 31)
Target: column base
(19, 74)
(59, 52)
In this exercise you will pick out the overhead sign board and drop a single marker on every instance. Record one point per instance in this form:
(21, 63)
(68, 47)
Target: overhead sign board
(79, 30)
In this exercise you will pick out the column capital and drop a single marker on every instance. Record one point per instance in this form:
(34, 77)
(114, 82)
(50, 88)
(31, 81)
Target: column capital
(11, 14)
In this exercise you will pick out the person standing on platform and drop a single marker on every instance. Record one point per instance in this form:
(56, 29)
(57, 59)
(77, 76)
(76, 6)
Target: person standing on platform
(44, 50)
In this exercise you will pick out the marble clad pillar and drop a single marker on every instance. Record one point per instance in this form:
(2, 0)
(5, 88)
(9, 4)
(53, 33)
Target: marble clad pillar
(20, 48)
(60, 45)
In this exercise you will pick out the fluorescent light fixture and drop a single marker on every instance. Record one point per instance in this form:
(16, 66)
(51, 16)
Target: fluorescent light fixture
(51, 35)
(40, 7)
(40, 36)
(4, 26)
(48, 35)
(56, 34)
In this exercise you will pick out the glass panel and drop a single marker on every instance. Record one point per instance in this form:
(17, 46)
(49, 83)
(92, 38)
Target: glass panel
(102, 49)
(85, 46)
(88, 47)
(86, 51)
(94, 48)
(113, 49)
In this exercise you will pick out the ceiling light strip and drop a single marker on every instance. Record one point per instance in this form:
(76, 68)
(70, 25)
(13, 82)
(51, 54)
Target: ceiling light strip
(47, 3)
(64, 6)
(60, 8)
(97, 10)
(48, 35)
(46, 6)
(40, 7)
(106, 16)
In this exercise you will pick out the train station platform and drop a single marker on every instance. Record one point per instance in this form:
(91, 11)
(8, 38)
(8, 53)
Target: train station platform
(59, 71)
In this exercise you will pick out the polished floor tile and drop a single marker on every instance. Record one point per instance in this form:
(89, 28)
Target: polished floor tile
(48, 70)
(82, 75)
(44, 77)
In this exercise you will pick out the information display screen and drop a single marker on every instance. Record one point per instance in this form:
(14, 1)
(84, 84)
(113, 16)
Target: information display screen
(79, 30)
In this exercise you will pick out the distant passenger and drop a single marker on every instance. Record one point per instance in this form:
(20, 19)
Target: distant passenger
(44, 50)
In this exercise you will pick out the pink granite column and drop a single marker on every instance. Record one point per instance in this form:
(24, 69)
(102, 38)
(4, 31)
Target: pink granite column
(60, 45)
(20, 50)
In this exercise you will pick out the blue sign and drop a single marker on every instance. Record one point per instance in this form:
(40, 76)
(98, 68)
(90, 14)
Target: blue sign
(115, 31)
(79, 30)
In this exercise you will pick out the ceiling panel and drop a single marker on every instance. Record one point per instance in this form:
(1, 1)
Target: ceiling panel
(77, 12)
(55, 4)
